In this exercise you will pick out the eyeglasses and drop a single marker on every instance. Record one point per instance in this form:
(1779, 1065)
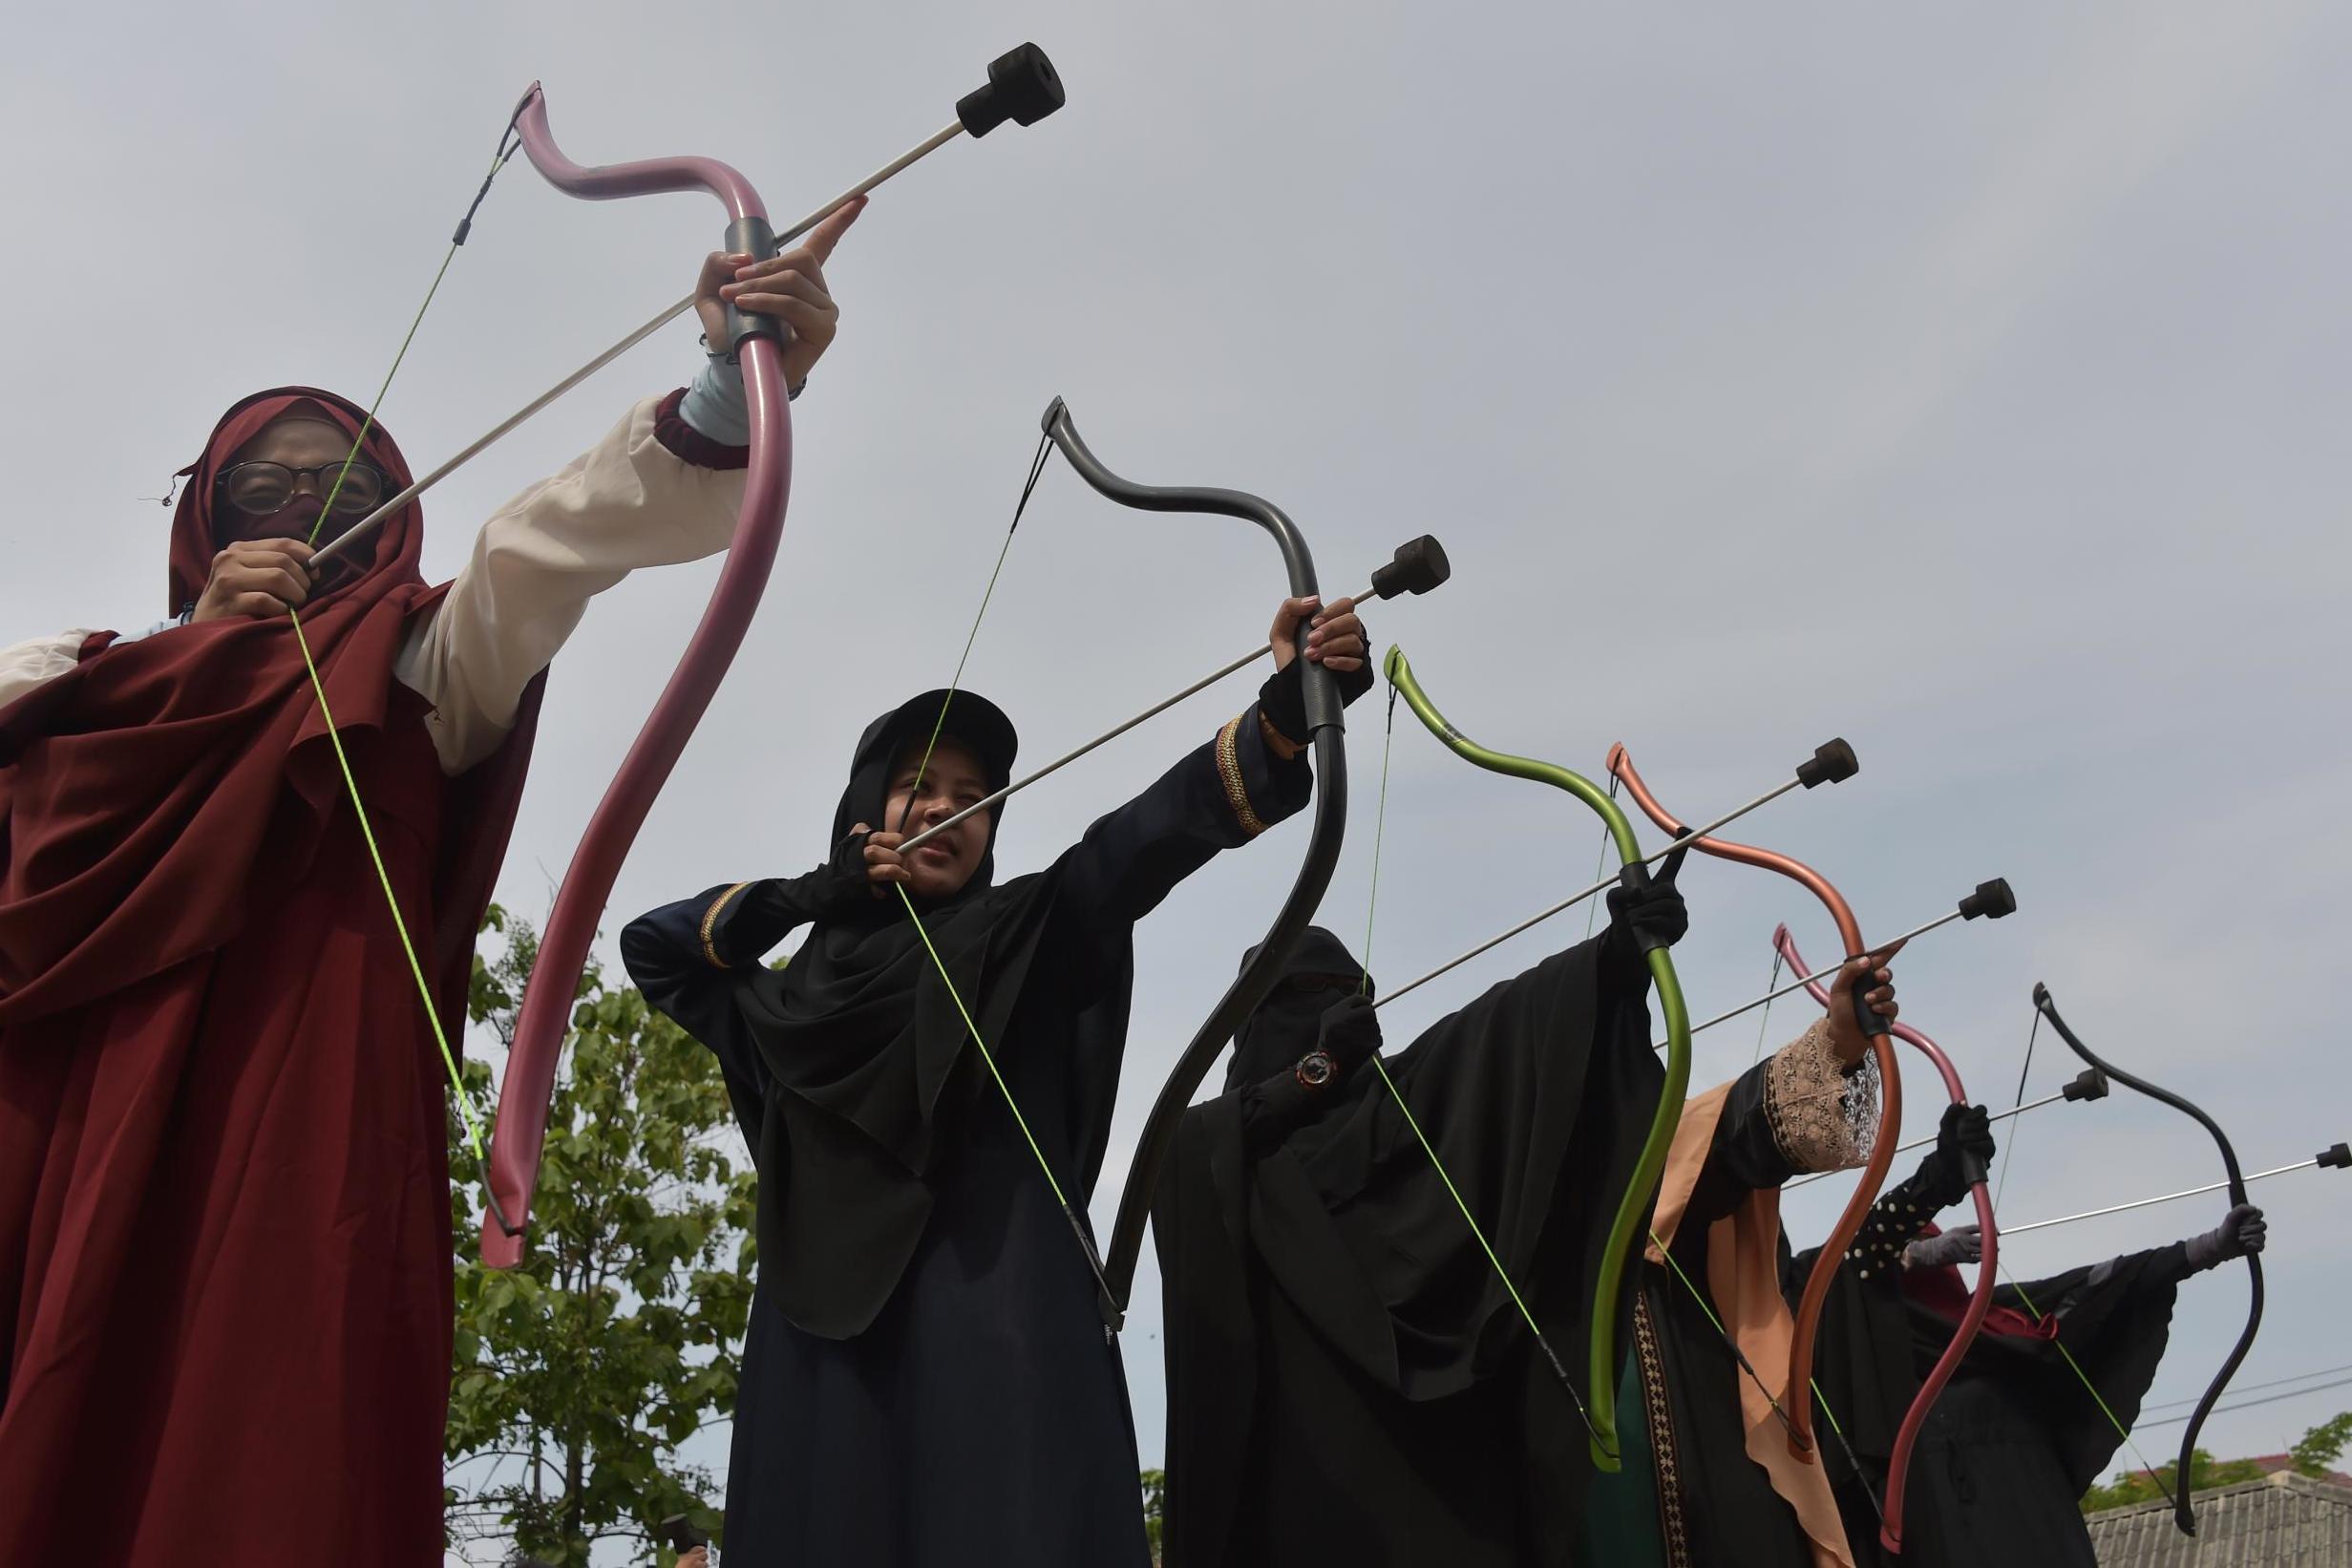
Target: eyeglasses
(264, 489)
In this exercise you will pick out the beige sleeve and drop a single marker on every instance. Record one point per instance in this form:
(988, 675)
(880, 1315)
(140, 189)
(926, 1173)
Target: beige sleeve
(1823, 1117)
(38, 661)
(628, 502)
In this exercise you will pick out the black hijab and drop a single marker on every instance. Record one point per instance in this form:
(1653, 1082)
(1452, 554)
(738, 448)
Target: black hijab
(862, 1039)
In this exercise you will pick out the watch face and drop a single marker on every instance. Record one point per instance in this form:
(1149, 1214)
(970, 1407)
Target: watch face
(1316, 1069)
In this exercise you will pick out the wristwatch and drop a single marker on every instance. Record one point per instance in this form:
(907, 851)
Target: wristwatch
(1316, 1069)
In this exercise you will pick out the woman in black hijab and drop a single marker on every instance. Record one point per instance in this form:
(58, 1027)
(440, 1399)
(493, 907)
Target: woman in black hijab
(1348, 1378)
(927, 1379)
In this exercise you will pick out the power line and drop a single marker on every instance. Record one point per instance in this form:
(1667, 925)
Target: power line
(2248, 1404)
(2250, 1388)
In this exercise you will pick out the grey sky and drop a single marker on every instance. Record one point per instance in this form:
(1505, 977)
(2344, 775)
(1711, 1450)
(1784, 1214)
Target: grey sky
(1971, 386)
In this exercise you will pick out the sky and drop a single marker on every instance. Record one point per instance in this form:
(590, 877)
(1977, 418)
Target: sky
(1956, 382)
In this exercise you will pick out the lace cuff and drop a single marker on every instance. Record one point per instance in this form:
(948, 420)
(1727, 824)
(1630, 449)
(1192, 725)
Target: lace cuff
(1823, 1118)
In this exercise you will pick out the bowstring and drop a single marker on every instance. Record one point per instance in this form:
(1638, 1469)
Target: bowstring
(509, 140)
(1028, 487)
(1739, 1355)
(2009, 1154)
(1771, 983)
(1086, 1241)
(1600, 863)
(2122, 1432)
(2008, 1157)
(1363, 986)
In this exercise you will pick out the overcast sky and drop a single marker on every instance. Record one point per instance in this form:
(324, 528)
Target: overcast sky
(1974, 388)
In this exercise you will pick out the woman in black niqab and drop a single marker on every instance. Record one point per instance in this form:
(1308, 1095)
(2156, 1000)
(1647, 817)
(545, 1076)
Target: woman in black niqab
(1348, 1380)
(927, 1378)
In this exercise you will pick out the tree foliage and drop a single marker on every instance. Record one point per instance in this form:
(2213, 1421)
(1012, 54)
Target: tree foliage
(1154, 1507)
(2315, 1456)
(2319, 1449)
(577, 1375)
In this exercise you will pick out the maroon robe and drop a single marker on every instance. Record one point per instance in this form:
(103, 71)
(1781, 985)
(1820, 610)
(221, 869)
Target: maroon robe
(224, 1206)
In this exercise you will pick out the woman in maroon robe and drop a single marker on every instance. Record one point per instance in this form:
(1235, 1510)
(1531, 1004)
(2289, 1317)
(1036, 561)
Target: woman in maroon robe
(224, 1209)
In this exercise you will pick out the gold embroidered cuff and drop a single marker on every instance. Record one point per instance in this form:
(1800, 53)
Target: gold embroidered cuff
(710, 919)
(1822, 1117)
(1229, 769)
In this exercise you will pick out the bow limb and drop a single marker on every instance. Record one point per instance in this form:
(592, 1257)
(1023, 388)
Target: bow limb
(1627, 1229)
(2184, 1512)
(1988, 1266)
(1890, 1105)
(546, 1013)
(1327, 727)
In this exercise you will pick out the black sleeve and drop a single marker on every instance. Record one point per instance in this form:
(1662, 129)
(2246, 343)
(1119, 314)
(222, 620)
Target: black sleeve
(688, 957)
(1744, 1158)
(1220, 795)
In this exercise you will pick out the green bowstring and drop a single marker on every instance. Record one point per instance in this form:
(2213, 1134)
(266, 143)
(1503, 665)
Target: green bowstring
(1649, 1165)
(1363, 986)
(2008, 1157)
(2122, 1433)
(392, 899)
(318, 685)
(1086, 1243)
(971, 1027)
(1745, 1365)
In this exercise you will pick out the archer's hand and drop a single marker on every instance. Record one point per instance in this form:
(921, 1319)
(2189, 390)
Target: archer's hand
(883, 863)
(791, 288)
(257, 578)
(1335, 638)
(1960, 1244)
(1653, 916)
(1847, 1041)
(1966, 1130)
(2243, 1231)
(1349, 1033)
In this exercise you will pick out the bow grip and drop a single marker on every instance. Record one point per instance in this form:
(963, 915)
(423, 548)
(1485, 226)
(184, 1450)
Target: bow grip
(1974, 1168)
(756, 238)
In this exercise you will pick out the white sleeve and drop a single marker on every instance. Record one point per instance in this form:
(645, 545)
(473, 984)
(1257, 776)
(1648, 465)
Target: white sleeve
(30, 664)
(628, 502)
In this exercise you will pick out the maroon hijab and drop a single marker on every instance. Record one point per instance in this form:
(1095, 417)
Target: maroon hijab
(154, 798)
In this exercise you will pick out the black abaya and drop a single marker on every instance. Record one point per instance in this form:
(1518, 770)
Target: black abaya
(927, 1379)
(1348, 1381)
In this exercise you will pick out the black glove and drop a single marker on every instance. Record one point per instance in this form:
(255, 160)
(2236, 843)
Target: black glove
(1963, 1146)
(2242, 1232)
(839, 889)
(1282, 698)
(1648, 914)
(1350, 1032)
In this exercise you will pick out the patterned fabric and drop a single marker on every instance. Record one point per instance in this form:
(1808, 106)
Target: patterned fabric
(711, 920)
(1673, 1532)
(1229, 769)
(1823, 1117)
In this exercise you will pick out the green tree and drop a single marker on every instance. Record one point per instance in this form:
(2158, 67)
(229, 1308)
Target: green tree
(1154, 1507)
(2133, 1486)
(2322, 1446)
(577, 1375)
